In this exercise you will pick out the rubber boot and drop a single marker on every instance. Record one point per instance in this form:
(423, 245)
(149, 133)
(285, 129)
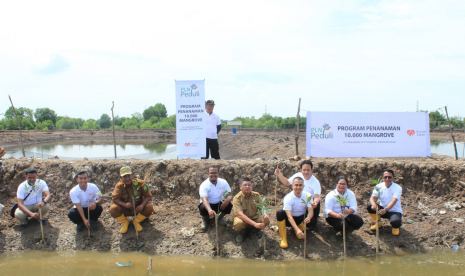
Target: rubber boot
(373, 217)
(139, 218)
(282, 233)
(222, 221)
(301, 227)
(395, 231)
(124, 220)
(205, 221)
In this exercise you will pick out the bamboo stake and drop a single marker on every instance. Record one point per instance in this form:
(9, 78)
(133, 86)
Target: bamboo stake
(41, 226)
(264, 242)
(344, 235)
(305, 240)
(297, 134)
(377, 230)
(276, 188)
(217, 245)
(451, 133)
(19, 126)
(150, 266)
(135, 219)
(113, 116)
(88, 219)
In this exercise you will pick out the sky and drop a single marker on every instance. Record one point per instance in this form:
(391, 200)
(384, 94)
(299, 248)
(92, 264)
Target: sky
(76, 57)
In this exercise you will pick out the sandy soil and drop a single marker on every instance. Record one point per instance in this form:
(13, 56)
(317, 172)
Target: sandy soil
(433, 199)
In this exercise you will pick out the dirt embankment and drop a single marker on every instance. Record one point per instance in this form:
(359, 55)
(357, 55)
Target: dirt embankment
(433, 197)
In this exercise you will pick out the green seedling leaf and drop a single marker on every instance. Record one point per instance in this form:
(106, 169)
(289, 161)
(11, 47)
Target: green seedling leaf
(263, 207)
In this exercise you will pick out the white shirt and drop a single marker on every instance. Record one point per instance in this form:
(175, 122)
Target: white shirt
(388, 194)
(212, 191)
(332, 205)
(91, 194)
(35, 197)
(311, 185)
(212, 121)
(294, 204)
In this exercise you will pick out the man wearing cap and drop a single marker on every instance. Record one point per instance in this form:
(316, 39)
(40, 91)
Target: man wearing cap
(30, 198)
(246, 215)
(213, 125)
(127, 191)
(87, 199)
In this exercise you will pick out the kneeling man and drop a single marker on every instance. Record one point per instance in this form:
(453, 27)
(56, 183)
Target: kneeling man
(127, 191)
(87, 200)
(246, 212)
(294, 211)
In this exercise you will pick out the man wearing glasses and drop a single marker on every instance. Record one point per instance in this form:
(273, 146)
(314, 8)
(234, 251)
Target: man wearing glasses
(246, 215)
(388, 204)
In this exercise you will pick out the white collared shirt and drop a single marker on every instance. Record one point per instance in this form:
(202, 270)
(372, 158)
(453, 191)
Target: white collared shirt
(332, 205)
(293, 203)
(91, 194)
(312, 185)
(36, 191)
(388, 194)
(212, 120)
(212, 191)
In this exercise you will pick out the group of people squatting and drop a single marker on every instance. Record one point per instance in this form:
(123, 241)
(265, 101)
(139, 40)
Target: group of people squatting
(301, 206)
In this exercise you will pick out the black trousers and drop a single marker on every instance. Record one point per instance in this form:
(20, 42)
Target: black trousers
(74, 216)
(351, 220)
(213, 148)
(394, 218)
(281, 215)
(216, 208)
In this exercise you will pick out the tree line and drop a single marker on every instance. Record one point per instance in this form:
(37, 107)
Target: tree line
(156, 117)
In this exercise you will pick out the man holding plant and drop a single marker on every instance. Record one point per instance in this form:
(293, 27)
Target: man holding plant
(295, 212)
(30, 198)
(87, 200)
(212, 200)
(386, 197)
(341, 204)
(246, 215)
(311, 185)
(131, 197)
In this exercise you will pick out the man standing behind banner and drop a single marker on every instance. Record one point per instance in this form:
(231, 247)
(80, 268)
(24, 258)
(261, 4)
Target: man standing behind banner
(213, 125)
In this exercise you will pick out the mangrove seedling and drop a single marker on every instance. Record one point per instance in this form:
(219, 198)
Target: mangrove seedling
(343, 201)
(263, 209)
(218, 214)
(306, 201)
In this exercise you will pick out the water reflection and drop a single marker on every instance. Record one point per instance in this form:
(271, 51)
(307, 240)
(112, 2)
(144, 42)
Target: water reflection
(98, 263)
(447, 148)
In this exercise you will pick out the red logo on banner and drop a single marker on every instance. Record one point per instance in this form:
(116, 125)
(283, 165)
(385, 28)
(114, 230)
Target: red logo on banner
(187, 144)
(410, 132)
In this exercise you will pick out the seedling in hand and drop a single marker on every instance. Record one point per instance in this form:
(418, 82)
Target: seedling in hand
(263, 209)
(306, 201)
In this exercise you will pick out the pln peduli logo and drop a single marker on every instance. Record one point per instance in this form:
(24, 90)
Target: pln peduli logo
(190, 91)
(319, 132)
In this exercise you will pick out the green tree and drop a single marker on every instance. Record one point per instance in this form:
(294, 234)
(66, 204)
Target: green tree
(104, 121)
(44, 114)
(158, 110)
(45, 125)
(66, 123)
(90, 124)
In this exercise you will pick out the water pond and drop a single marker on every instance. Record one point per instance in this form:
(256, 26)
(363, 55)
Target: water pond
(97, 263)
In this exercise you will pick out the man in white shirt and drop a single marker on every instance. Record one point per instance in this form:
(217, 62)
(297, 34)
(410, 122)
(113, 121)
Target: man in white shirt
(335, 213)
(389, 206)
(311, 185)
(215, 197)
(296, 211)
(29, 198)
(213, 125)
(85, 196)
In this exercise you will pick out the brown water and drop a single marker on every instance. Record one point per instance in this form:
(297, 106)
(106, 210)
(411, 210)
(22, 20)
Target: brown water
(79, 263)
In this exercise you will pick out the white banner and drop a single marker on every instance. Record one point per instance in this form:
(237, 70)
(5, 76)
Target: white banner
(190, 119)
(364, 134)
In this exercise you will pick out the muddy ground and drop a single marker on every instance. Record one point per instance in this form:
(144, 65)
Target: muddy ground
(433, 200)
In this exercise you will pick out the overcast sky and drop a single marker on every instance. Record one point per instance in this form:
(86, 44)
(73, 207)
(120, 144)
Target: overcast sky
(76, 57)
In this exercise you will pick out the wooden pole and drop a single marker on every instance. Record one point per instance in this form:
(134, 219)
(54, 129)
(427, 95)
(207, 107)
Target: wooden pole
(377, 230)
(113, 121)
(451, 133)
(305, 240)
(19, 126)
(297, 134)
(88, 219)
(135, 219)
(344, 234)
(276, 189)
(41, 226)
(217, 245)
